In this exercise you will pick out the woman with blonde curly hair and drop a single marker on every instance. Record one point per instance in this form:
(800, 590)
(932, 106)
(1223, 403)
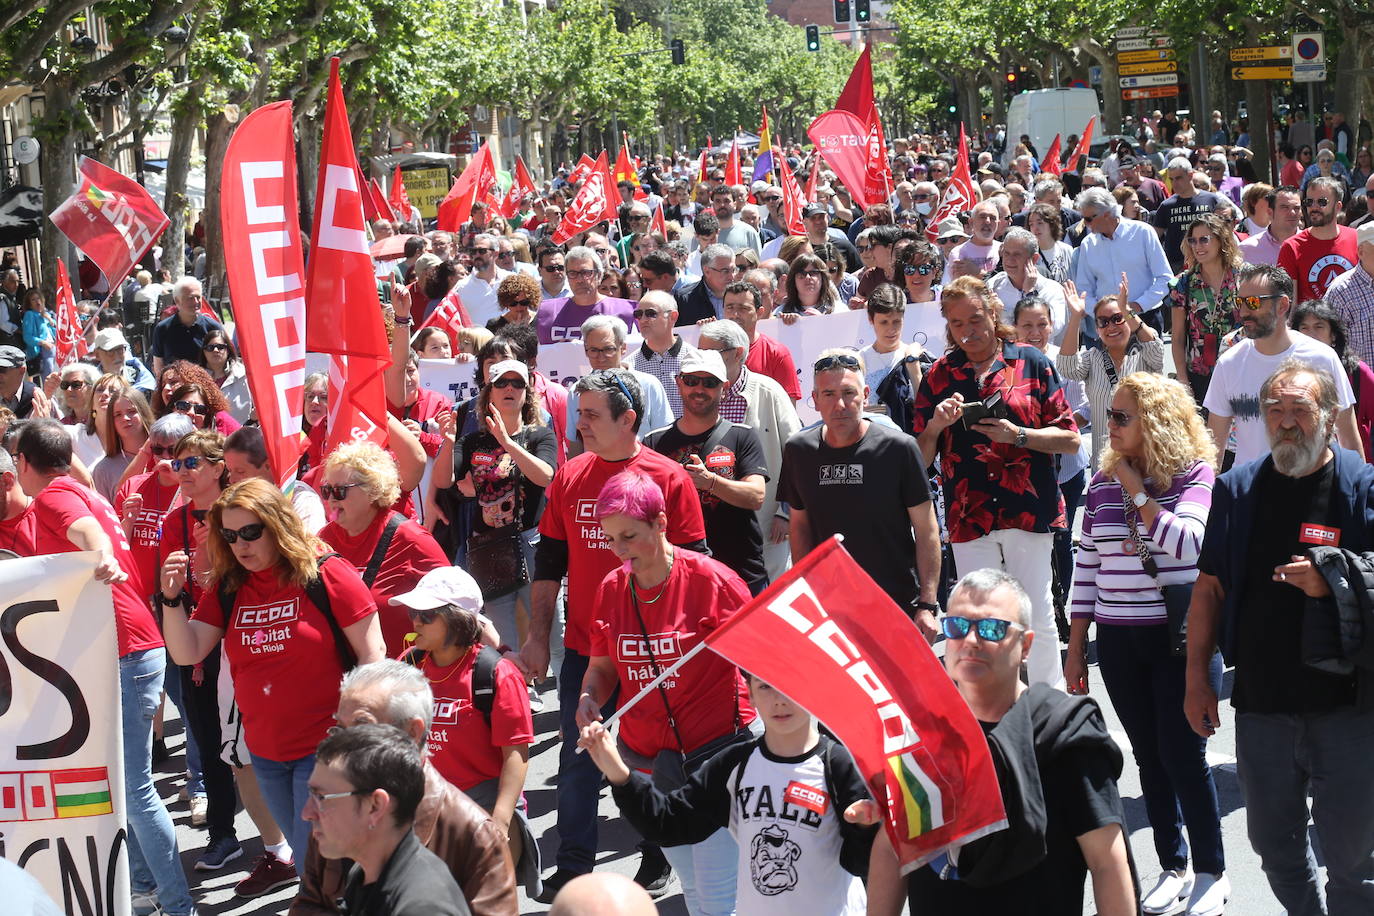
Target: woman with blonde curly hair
(1142, 531)
(291, 624)
(391, 553)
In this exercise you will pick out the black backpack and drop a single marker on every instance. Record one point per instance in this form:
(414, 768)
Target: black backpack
(483, 677)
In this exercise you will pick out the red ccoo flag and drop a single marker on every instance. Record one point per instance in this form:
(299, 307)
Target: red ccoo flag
(474, 184)
(857, 95)
(732, 170)
(959, 193)
(878, 175)
(1050, 164)
(265, 263)
(658, 223)
(594, 202)
(828, 638)
(111, 218)
(344, 315)
(399, 200)
(521, 186)
(811, 179)
(70, 342)
(1081, 150)
(583, 170)
(450, 317)
(793, 201)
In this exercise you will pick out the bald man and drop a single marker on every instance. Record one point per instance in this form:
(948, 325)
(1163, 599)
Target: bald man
(602, 893)
(663, 350)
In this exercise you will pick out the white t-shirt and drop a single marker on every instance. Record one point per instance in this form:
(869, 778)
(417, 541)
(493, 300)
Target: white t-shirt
(479, 297)
(877, 366)
(1236, 380)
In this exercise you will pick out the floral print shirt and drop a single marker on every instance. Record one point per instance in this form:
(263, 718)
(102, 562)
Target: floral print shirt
(1208, 315)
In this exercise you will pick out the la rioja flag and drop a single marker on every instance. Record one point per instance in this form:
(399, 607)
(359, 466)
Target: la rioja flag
(959, 194)
(829, 639)
(344, 315)
(111, 218)
(70, 342)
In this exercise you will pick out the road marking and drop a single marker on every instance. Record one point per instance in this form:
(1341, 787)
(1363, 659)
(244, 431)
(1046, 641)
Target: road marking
(1214, 758)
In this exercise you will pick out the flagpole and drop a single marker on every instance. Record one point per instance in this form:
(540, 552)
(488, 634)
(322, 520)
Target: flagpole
(649, 687)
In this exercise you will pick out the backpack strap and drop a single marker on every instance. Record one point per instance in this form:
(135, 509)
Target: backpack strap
(374, 565)
(484, 681)
(319, 596)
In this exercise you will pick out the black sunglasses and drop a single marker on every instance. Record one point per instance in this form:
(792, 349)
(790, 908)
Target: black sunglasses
(339, 492)
(521, 304)
(1106, 321)
(199, 410)
(692, 381)
(423, 614)
(160, 450)
(644, 313)
(555, 268)
(247, 532)
(1119, 417)
(191, 462)
(1317, 202)
(989, 629)
(215, 347)
(830, 362)
(516, 383)
(73, 385)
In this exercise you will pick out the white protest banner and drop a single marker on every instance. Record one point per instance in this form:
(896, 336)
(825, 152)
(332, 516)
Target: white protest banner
(61, 762)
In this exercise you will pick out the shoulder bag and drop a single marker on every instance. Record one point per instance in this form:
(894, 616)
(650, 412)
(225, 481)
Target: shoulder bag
(1176, 597)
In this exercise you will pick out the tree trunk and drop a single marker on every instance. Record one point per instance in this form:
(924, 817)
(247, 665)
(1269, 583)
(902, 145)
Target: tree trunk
(309, 134)
(1351, 85)
(57, 168)
(1111, 85)
(185, 120)
(218, 131)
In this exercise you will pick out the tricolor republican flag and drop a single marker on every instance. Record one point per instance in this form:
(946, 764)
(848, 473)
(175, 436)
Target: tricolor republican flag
(764, 164)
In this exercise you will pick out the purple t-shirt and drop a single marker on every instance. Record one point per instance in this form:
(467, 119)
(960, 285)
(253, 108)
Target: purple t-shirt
(561, 319)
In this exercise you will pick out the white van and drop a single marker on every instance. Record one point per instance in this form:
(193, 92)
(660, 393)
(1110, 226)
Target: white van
(1042, 113)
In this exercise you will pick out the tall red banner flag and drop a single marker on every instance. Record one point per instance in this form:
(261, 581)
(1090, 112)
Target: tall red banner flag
(344, 315)
(521, 186)
(474, 184)
(831, 640)
(878, 173)
(265, 263)
(842, 139)
(1050, 164)
(596, 201)
(70, 343)
(857, 95)
(399, 199)
(111, 218)
(793, 200)
(959, 193)
(1084, 143)
(732, 170)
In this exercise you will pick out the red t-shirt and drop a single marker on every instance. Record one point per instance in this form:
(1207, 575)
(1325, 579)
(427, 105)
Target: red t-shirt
(770, 358)
(428, 405)
(63, 502)
(413, 552)
(1313, 263)
(704, 695)
(405, 505)
(282, 654)
(570, 515)
(462, 747)
(146, 540)
(20, 533)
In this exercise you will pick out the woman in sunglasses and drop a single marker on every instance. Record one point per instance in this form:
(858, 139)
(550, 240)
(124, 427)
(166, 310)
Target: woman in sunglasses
(1128, 345)
(191, 401)
(505, 464)
(678, 596)
(181, 372)
(390, 552)
(1143, 526)
(76, 383)
(124, 430)
(919, 267)
(810, 290)
(1202, 299)
(518, 298)
(221, 359)
(287, 652)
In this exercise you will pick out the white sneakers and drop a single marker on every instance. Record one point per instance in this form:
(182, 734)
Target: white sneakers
(1171, 888)
(1206, 894)
(1209, 895)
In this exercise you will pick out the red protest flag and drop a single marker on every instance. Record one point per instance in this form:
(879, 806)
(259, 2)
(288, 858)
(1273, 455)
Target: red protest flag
(857, 95)
(344, 314)
(70, 343)
(811, 179)
(521, 186)
(830, 639)
(625, 169)
(1081, 150)
(959, 194)
(878, 174)
(658, 223)
(582, 170)
(111, 218)
(593, 203)
(265, 263)
(842, 139)
(371, 211)
(399, 200)
(450, 317)
(1050, 164)
(474, 184)
(793, 201)
(384, 211)
(732, 171)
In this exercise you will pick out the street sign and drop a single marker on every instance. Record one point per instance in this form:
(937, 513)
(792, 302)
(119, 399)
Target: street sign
(1095, 75)
(1154, 79)
(1309, 57)
(1145, 44)
(1151, 92)
(1137, 31)
(1240, 55)
(1276, 72)
(1159, 66)
(1140, 57)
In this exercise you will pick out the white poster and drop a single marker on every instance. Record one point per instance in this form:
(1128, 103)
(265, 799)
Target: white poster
(61, 763)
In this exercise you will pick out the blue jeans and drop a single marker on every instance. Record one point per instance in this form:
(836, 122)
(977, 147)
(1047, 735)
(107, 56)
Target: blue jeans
(707, 871)
(1280, 759)
(579, 781)
(1146, 684)
(284, 786)
(195, 782)
(154, 861)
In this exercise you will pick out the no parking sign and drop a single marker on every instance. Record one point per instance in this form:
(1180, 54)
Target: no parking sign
(1309, 57)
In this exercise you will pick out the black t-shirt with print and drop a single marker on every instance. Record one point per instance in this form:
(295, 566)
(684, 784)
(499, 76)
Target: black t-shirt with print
(732, 533)
(492, 471)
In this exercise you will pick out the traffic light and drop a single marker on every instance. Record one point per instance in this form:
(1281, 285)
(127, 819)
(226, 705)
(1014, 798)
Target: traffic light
(1011, 78)
(841, 10)
(679, 53)
(861, 12)
(813, 38)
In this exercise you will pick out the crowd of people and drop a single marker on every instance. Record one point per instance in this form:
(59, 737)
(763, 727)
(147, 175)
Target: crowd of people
(1007, 459)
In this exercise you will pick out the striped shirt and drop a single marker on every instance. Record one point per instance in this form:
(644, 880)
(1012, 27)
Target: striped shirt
(1109, 583)
(1089, 367)
(1352, 293)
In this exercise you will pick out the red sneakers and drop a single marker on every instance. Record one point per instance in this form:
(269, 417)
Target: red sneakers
(268, 874)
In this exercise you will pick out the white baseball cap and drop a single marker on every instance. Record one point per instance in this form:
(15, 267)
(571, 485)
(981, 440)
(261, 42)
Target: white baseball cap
(447, 585)
(496, 370)
(110, 339)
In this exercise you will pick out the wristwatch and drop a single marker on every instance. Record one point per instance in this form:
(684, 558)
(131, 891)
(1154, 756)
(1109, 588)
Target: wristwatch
(1021, 437)
(1140, 499)
(926, 606)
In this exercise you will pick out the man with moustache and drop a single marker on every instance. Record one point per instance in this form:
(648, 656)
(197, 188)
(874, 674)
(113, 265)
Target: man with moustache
(1300, 730)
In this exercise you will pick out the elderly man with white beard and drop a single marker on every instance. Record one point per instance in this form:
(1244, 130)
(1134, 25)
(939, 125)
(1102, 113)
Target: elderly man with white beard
(1304, 719)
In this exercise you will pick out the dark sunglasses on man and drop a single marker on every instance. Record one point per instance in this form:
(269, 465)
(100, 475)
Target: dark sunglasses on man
(989, 629)
(706, 381)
